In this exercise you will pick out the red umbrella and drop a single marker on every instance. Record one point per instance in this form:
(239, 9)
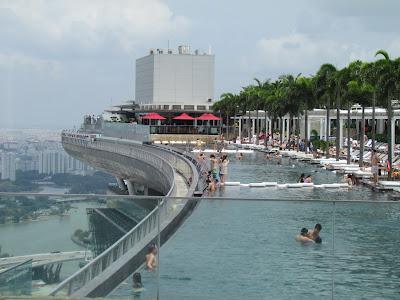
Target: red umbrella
(184, 116)
(208, 117)
(153, 116)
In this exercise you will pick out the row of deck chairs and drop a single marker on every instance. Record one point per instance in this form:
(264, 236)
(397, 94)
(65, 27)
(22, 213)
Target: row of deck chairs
(381, 149)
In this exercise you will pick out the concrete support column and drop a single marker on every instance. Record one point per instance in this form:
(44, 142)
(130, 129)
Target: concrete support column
(240, 128)
(121, 183)
(341, 134)
(380, 126)
(358, 128)
(288, 130)
(145, 190)
(393, 136)
(329, 126)
(270, 126)
(321, 128)
(308, 129)
(253, 127)
(131, 187)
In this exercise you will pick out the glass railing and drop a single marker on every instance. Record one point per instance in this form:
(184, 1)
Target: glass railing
(204, 248)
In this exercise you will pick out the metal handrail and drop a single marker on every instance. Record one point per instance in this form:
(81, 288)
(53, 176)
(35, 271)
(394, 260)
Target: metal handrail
(140, 231)
(125, 243)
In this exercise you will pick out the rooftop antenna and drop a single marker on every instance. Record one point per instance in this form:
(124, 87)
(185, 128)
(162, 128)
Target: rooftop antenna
(209, 49)
(168, 47)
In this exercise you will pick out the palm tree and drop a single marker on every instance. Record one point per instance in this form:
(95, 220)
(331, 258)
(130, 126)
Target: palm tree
(361, 92)
(325, 81)
(291, 103)
(388, 78)
(305, 93)
(369, 75)
(226, 106)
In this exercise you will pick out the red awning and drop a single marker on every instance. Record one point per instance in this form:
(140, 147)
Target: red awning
(208, 117)
(153, 116)
(184, 116)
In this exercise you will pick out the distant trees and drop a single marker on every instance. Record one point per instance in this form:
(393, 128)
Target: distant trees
(19, 208)
(78, 184)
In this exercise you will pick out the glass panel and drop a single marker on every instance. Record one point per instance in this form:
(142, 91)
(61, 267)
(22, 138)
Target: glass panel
(17, 280)
(247, 250)
(211, 248)
(367, 263)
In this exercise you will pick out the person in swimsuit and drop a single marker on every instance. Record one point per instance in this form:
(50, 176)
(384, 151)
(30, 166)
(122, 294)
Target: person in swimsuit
(214, 166)
(375, 166)
(223, 168)
(151, 259)
(314, 233)
(304, 237)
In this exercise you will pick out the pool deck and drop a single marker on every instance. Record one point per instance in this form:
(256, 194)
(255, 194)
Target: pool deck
(339, 167)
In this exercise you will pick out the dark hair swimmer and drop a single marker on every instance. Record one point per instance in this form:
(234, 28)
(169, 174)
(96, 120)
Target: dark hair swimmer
(304, 231)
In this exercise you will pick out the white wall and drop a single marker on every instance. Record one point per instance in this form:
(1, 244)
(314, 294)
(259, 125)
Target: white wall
(175, 79)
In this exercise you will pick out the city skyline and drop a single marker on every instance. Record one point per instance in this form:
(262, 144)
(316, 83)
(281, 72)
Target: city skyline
(67, 59)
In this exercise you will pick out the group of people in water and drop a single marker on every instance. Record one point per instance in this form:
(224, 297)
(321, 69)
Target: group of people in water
(305, 179)
(310, 235)
(216, 170)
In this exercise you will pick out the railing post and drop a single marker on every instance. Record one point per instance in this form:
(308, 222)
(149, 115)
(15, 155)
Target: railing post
(333, 248)
(69, 288)
(158, 246)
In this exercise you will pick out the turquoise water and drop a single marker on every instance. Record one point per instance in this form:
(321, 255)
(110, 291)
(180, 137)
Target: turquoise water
(247, 250)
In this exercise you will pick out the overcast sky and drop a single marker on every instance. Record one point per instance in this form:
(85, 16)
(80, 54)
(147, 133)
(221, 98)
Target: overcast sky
(62, 59)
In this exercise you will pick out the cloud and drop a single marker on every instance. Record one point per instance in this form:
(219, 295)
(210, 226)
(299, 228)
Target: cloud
(12, 61)
(51, 27)
(297, 53)
(301, 53)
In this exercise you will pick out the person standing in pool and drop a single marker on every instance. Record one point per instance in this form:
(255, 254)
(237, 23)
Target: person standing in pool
(375, 166)
(214, 166)
(151, 259)
(314, 233)
(223, 168)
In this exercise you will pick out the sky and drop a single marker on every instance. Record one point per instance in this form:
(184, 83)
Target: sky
(60, 59)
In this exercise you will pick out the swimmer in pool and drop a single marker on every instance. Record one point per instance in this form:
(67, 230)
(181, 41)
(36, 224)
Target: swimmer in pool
(314, 233)
(137, 283)
(304, 236)
(302, 177)
(239, 156)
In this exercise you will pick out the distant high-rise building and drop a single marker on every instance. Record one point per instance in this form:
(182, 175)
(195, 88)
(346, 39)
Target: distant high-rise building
(8, 161)
(168, 80)
(57, 162)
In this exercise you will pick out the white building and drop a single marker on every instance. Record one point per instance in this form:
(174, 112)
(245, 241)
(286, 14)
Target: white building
(8, 161)
(169, 80)
(52, 162)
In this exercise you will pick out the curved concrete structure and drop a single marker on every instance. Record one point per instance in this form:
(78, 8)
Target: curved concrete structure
(162, 169)
(132, 161)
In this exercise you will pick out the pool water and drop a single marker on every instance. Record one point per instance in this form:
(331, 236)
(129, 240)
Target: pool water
(247, 249)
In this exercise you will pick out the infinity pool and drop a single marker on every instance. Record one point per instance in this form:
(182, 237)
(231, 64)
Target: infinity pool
(247, 249)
